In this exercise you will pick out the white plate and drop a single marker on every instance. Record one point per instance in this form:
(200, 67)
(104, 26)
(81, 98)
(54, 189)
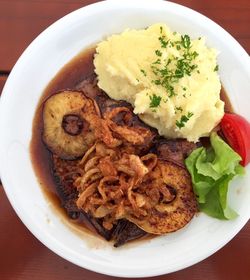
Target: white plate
(33, 71)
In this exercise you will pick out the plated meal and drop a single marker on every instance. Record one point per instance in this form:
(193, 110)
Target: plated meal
(78, 179)
(135, 136)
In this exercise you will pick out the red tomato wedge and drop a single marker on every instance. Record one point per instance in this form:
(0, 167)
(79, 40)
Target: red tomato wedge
(236, 130)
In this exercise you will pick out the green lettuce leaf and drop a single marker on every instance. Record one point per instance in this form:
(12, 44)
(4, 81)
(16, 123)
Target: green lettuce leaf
(226, 159)
(211, 171)
(201, 184)
(216, 201)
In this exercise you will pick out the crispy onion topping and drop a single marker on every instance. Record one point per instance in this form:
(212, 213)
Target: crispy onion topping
(156, 195)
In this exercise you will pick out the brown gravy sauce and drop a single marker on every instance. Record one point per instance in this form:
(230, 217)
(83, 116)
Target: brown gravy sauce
(68, 77)
(80, 67)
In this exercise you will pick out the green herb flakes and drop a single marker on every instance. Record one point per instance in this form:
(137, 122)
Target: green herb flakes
(183, 120)
(156, 82)
(185, 41)
(158, 53)
(169, 72)
(216, 68)
(178, 109)
(143, 72)
(155, 101)
(163, 41)
(158, 61)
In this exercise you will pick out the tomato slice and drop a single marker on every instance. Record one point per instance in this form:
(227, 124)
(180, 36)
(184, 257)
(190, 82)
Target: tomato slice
(236, 130)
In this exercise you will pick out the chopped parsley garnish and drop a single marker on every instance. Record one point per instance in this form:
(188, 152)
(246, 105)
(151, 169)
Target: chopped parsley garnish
(163, 41)
(183, 120)
(174, 33)
(178, 108)
(168, 72)
(185, 41)
(194, 54)
(158, 53)
(158, 61)
(144, 72)
(161, 29)
(184, 88)
(156, 82)
(169, 61)
(155, 101)
(216, 68)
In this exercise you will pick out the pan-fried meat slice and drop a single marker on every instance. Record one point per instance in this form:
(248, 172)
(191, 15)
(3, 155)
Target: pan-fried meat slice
(64, 174)
(174, 207)
(175, 150)
(154, 194)
(149, 194)
(98, 226)
(127, 127)
(119, 115)
(126, 231)
(90, 88)
(102, 100)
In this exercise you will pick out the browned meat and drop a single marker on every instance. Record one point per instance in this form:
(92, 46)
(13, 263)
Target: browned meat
(126, 231)
(64, 173)
(99, 228)
(175, 150)
(129, 128)
(89, 86)
(105, 104)
(161, 194)
(120, 118)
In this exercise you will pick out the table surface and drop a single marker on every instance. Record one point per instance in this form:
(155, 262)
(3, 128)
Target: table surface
(22, 256)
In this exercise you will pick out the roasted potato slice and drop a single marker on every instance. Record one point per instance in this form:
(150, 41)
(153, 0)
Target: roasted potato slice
(67, 124)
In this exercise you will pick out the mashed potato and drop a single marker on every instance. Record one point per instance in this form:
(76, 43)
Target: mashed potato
(171, 80)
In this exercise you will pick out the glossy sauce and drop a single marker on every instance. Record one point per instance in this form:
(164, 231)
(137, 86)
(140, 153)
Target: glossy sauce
(68, 77)
(79, 68)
